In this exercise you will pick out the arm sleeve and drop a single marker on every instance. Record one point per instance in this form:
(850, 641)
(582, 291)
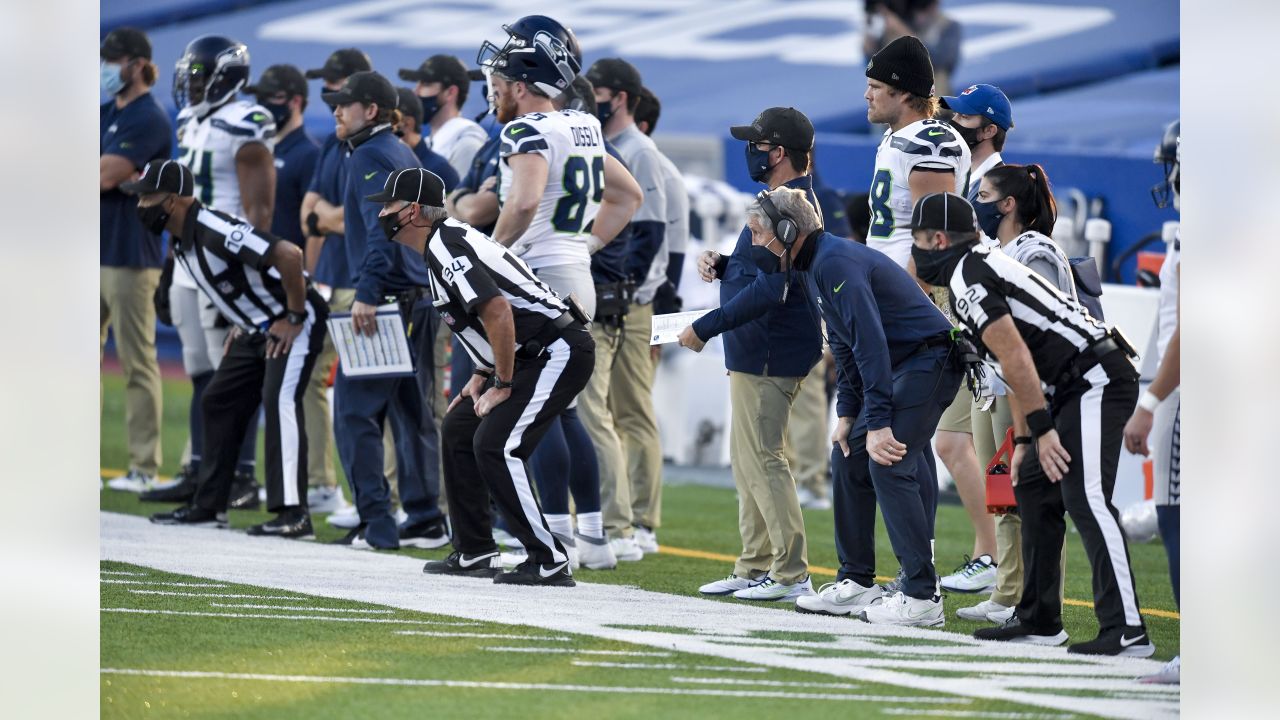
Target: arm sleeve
(870, 347)
(649, 224)
(756, 299)
(379, 252)
(675, 268)
(140, 142)
(463, 270)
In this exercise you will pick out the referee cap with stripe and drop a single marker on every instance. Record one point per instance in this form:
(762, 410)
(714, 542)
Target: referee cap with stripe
(943, 211)
(414, 185)
(168, 176)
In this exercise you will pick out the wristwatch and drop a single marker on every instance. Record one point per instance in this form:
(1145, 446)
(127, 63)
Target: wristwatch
(499, 383)
(295, 318)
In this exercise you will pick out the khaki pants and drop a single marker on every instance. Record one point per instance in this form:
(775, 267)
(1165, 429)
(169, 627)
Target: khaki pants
(315, 404)
(597, 418)
(769, 518)
(631, 402)
(126, 306)
(808, 447)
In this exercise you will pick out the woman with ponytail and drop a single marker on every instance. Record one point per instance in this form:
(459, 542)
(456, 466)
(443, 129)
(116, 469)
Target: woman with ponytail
(1016, 208)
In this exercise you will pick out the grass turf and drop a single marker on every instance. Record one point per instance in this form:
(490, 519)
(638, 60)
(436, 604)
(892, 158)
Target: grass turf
(703, 518)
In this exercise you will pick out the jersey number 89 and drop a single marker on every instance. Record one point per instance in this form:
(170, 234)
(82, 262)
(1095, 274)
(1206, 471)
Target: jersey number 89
(881, 216)
(579, 184)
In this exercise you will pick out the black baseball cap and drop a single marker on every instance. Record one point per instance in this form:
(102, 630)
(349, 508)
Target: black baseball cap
(279, 78)
(445, 69)
(942, 211)
(125, 42)
(365, 87)
(476, 75)
(410, 104)
(413, 184)
(162, 176)
(616, 74)
(342, 64)
(785, 126)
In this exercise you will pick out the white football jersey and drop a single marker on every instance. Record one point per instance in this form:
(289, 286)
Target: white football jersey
(573, 146)
(928, 143)
(1168, 308)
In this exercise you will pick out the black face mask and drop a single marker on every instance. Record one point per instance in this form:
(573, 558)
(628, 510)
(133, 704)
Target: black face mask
(154, 217)
(391, 224)
(279, 111)
(969, 134)
(937, 266)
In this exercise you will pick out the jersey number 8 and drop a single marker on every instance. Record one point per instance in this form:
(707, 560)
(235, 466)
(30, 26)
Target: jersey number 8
(579, 184)
(881, 216)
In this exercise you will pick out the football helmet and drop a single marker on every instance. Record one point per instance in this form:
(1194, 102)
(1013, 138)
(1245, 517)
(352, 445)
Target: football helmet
(210, 72)
(1169, 154)
(539, 51)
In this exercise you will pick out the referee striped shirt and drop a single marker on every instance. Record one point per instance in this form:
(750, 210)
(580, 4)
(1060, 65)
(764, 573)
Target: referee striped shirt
(466, 268)
(987, 285)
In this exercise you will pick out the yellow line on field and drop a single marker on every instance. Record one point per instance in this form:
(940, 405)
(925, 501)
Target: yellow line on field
(815, 569)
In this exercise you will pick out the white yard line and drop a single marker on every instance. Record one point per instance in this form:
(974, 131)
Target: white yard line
(776, 683)
(572, 651)
(916, 712)
(1070, 683)
(250, 606)
(590, 609)
(175, 593)
(161, 584)
(487, 636)
(264, 616)
(121, 572)
(667, 666)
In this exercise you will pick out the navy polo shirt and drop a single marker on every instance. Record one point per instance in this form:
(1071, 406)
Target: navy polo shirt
(436, 163)
(483, 166)
(379, 266)
(296, 155)
(140, 132)
(609, 263)
(329, 181)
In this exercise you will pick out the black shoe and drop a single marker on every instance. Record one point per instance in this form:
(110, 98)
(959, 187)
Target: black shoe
(430, 534)
(350, 536)
(1014, 631)
(244, 492)
(294, 524)
(356, 540)
(482, 565)
(182, 491)
(532, 573)
(1132, 641)
(192, 516)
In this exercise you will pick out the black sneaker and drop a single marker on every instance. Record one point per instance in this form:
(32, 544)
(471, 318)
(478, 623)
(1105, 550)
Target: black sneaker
(481, 565)
(294, 524)
(351, 535)
(183, 489)
(532, 573)
(430, 534)
(357, 541)
(1132, 641)
(244, 492)
(192, 516)
(1014, 631)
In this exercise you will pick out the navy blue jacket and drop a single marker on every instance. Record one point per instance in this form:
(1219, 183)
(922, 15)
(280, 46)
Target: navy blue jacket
(140, 132)
(436, 163)
(296, 155)
(379, 266)
(609, 264)
(769, 339)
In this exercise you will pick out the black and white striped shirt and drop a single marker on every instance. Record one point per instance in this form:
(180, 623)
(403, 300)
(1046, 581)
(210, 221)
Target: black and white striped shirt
(467, 268)
(227, 258)
(987, 285)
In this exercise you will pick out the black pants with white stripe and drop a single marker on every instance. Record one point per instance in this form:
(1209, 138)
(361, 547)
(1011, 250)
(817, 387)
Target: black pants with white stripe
(487, 457)
(245, 380)
(1090, 417)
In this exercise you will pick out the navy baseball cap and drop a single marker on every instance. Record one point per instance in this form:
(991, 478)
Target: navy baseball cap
(988, 101)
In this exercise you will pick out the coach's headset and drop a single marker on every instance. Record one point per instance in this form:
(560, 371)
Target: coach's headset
(785, 230)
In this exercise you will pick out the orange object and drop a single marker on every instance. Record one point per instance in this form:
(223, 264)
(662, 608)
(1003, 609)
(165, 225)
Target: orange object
(1148, 479)
(1151, 261)
(1000, 499)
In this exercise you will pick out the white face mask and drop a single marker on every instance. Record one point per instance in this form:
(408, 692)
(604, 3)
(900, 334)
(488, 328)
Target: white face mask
(110, 79)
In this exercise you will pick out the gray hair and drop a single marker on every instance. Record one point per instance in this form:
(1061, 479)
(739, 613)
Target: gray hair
(433, 214)
(791, 203)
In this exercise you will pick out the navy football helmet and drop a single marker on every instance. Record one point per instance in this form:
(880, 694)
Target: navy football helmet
(210, 72)
(1169, 154)
(539, 51)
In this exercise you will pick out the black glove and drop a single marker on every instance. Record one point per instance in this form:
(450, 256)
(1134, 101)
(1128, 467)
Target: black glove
(665, 300)
(161, 298)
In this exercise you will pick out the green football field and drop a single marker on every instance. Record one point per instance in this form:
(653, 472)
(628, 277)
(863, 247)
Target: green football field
(288, 644)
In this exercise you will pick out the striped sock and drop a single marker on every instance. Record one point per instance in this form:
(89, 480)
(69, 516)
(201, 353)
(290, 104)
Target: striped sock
(591, 525)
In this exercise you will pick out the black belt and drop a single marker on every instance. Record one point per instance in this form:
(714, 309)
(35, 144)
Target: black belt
(551, 331)
(1087, 359)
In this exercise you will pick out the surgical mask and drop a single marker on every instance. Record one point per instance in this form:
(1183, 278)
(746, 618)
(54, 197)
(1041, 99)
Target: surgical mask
(758, 166)
(390, 224)
(430, 106)
(988, 217)
(764, 258)
(279, 111)
(969, 134)
(154, 217)
(110, 80)
(937, 266)
(604, 111)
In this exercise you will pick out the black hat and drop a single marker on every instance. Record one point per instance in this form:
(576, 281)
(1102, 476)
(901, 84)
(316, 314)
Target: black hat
(904, 64)
(367, 88)
(787, 127)
(476, 75)
(125, 42)
(616, 74)
(162, 176)
(342, 64)
(279, 78)
(414, 185)
(410, 104)
(445, 69)
(943, 211)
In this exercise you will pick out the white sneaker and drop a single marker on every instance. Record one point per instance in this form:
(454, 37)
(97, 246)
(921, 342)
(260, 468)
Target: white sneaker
(647, 539)
(906, 611)
(595, 553)
(132, 481)
(344, 517)
(769, 589)
(326, 499)
(727, 586)
(840, 598)
(506, 539)
(625, 549)
(982, 611)
(809, 500)
(511, 559)
(1000, 617)
(262, 494)
(1170, 674)
(974, 576)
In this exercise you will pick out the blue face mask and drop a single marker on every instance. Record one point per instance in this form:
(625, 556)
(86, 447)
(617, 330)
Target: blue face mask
(279, 111)
(604, 111)
(110, 79)
(758, 166)
(430, 106)
(988, 217)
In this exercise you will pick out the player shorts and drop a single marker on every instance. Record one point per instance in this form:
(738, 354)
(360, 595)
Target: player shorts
(1165, 455)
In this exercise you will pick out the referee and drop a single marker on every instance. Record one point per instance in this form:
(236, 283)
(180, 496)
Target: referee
(1067, 449)
(256, 281)
(533, 355)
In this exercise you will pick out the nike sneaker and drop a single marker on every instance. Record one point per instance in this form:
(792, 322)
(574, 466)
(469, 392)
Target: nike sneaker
(769, 589)
(840, 598)
(906, 611)
(727, 586)
(1170, 674)
(982, 611)
(192, 516)
(1131, 641)
(533, 573)
(647, 539)
(294, 524)
(626, 549)
(132, 481)
(595, 553)
(1014, 631)
(483, 565)
(973, 576)
(429, 534)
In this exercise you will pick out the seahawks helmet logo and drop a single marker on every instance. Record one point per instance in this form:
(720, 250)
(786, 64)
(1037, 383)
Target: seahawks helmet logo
(559, 55)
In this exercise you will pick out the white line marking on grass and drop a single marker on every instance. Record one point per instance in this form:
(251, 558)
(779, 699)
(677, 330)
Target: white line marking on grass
(827, 686)
(165, 584)
(1085, 683)
(975, 714)
(667, 666)
(174, 593)
(264, 616)
(121, 572)
(488, 636)
(415, 682)
(626, 653)
(250, 606)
